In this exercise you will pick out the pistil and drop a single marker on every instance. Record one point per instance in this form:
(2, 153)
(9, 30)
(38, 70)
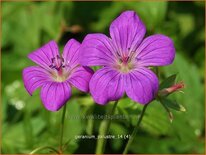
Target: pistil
(125, 63)
(58, 67)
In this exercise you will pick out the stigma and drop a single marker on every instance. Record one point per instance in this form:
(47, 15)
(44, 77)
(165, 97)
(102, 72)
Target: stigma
(58, 72)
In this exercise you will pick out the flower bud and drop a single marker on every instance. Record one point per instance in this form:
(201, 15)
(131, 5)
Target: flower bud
(173, 88)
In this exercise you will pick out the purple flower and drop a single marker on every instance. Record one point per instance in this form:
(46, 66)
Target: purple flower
(55, 74)
(125, 58)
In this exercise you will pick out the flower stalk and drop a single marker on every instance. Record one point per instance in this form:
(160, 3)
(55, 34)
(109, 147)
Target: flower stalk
(135, 130)
(105, 125)
(62, 129)
(43, 148)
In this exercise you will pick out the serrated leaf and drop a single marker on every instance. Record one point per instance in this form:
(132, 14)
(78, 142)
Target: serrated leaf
(169, 81)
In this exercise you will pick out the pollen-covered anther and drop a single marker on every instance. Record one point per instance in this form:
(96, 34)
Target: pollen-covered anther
(57, 63)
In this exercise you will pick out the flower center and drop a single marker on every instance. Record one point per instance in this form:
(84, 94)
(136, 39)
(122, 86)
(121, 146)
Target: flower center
(57, 63)
(125, 63)
(60, 70)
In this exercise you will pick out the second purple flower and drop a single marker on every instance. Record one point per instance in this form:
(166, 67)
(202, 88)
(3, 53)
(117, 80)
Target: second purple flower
(125, 58)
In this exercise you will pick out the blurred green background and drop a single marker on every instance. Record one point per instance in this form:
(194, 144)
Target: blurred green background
(26, 125)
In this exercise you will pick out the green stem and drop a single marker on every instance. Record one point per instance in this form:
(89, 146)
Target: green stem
(104, 129)
(135, 130)
(62, 129)
(44, 147)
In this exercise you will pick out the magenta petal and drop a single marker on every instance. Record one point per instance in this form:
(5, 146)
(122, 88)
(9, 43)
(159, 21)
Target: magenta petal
(156, 50)
(141, 85)
(54, 95)
(127, 32)
(34, 77)
(97, 50)
(43, 56)
(71, 52)
(106, 85)
(80, 78)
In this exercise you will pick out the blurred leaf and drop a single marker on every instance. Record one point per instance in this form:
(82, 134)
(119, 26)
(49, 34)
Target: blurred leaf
(162, 145)
(129, 109)
(120, 134)
(7, 20)
(185, 19)
(10, 132)
(172, 104)
(10, 62)
(111, 13)
(156, 121)
(31, 22)
(73, 122)
(152, 13)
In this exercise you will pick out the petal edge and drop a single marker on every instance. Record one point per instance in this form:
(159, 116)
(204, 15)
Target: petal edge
(142, 85)
(106, 85)
(156, 50)
(54, 95)
(34, 77)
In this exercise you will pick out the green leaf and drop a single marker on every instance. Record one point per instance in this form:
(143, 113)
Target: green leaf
(129, 109)
(172, 104)
(34, 23)
(169, 81)
(119, 132)
(111, 13)
(13, 139)
(152, 13)
(155, 120)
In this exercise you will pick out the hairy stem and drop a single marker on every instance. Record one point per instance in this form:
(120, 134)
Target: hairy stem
(62, 129)
(104, 129)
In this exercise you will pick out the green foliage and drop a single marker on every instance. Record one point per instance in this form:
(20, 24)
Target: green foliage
(27, 125)
(152, 13)
(172, 104)
(169, 81)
